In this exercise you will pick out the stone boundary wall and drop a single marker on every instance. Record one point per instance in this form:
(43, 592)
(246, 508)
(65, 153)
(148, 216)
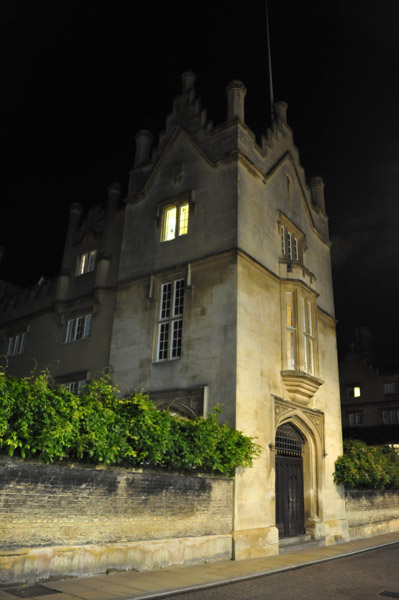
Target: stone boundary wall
(73, 520)
(371, 512)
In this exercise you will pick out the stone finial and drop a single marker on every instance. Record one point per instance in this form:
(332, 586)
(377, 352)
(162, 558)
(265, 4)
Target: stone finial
(316, 185)
(75, 212)
(188, 79)
(114, 191)
(235, 93)
(113, 195)
(280, 111)
(143, 147)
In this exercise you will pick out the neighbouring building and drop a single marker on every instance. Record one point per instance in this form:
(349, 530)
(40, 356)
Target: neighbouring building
(210, 285)
(65, 324)
(369, 394)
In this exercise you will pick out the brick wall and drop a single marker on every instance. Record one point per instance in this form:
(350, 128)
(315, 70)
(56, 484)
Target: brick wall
(44, 506)
(371, 512)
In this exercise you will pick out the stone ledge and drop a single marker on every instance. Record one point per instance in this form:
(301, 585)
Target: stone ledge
(301, 386)
(28, 565)
(372, 529)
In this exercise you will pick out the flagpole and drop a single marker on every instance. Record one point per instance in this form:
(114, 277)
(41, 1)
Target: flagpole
(269, 61)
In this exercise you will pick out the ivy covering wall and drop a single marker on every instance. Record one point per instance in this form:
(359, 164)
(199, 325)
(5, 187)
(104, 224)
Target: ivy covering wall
(40, 420)
(367, 467)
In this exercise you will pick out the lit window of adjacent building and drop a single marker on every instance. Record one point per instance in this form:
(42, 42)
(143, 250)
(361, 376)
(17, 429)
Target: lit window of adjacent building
(78, 328)
(87, 262)
(299, 332)
(170, 321)
(391, 388)
(16, 344)
(355, 419)
(353, 391)
(175, 221)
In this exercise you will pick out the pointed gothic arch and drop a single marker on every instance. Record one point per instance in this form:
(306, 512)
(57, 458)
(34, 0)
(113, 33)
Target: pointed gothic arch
(310, 428)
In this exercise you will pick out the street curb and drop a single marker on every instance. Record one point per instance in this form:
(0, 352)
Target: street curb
(212, 584)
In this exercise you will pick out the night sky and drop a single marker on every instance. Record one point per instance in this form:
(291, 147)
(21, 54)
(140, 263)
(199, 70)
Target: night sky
(80, 78)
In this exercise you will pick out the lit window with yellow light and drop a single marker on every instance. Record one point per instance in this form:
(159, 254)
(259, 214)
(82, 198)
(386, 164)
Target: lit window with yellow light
(183, 220)
(353, 391)
(175, 221)
(87, 262)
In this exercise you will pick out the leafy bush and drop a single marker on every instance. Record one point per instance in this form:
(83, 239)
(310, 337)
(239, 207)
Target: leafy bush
(363, 466)
(50, 423)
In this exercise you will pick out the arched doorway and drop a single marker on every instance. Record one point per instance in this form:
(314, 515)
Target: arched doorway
(290, 519)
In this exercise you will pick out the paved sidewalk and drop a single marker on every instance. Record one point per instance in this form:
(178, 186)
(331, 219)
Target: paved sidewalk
(165, 582)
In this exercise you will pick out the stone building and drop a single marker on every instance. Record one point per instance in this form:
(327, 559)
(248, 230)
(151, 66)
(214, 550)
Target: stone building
(211, 286)
(40, 324)
(369, 393)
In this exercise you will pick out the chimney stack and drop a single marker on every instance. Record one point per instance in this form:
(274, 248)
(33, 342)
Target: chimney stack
(75, 213)
(235, 93)
(316, 185)
(143, 147)
(188, 79)
(280, 112)
(113, 196)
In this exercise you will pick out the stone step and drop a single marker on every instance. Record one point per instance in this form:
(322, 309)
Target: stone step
(299, 542)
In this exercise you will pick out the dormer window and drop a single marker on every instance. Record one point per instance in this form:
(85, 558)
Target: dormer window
(175, 220)
(87, 262)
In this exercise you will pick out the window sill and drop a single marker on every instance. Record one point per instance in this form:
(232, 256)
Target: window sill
(301, 386)
(294, 268)
(166, 361)
(177, 237)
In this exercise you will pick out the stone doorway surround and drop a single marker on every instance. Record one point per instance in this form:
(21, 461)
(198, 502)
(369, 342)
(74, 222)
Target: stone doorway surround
(310, 424)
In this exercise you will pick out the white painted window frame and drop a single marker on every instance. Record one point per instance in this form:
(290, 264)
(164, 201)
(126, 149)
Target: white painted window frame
(87, 262)
(178, 220)
(16, 344)
(170, 321)
(78, 328)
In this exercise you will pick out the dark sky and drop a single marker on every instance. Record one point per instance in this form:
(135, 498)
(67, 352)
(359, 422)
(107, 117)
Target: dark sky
(80, 78)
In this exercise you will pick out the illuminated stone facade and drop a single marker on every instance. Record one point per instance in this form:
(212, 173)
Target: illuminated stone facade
(218, 291)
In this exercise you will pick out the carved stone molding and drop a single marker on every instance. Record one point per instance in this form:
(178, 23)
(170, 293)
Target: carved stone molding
(188, 402)
(301, 387)
(285, 409)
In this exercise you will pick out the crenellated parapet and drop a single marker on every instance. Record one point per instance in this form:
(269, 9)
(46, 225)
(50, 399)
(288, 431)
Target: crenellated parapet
(16, 303)
(231, 139)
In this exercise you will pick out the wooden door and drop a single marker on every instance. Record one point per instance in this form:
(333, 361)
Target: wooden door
(289, 482)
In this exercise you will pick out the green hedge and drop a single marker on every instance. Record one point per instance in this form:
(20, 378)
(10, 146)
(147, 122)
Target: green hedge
(40, 420)
(362, 466)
